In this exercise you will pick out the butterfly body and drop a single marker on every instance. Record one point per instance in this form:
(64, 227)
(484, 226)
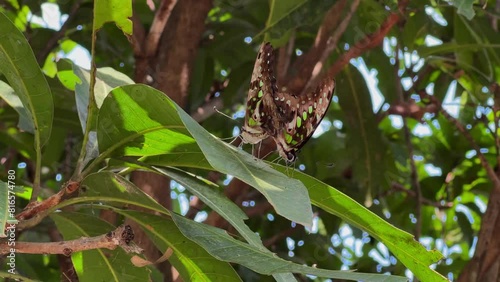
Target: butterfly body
(289, 119)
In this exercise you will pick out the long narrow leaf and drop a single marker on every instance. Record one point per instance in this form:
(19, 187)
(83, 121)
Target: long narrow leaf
(404, 246)
(18, 64)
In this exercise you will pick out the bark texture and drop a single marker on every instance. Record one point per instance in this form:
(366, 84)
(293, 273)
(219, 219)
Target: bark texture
(167, 66)
(485, 264)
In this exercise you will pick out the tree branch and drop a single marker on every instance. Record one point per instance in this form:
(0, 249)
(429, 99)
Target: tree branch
(489, 170)
(207, 109)
(369, 42)
(280, 236)
(397, 187)
(53, 41)
(121, 236)
(34, 212)
(284, 58)
(159, 22)
(138, 36)
(415, 184)
(331, 44)
(65, 263)
(496, 118)
(306, 63)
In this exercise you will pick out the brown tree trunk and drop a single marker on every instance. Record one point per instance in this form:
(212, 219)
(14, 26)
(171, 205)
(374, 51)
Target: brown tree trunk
(158, 187)
(485, 264)
(170, 65)
(178, 48)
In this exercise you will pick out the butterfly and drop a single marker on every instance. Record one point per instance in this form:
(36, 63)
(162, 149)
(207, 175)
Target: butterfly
(287, 118)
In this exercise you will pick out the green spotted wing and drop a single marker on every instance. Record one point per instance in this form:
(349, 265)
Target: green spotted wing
(303, 114)
(260, 119)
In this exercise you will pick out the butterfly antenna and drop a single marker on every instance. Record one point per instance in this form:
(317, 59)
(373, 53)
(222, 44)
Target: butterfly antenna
(232, 138)
(228, 138)
(219, 112)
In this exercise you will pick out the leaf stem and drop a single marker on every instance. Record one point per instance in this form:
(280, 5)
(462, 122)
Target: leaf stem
(38, 167)
(91, 110)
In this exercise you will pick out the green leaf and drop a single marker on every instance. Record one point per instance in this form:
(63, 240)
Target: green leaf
(279, 189)
(98, 264)
(208, 193)
(287, 15)
(18, 64)
(192, 262)
(9, 95)
(5, 214)
(415, 31)
(192, 159)
(465, 7)
(14, 277)
(113, 188)
(223, 206)
(220, 245)
(409, 251)
(137, 120)
(425, 51)
(118, 11)
(364, 139)
(78, 78)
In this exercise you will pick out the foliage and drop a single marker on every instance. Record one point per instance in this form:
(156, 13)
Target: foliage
(64, 129)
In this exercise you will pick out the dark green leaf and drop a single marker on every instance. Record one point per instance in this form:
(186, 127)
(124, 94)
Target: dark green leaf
(18, 64)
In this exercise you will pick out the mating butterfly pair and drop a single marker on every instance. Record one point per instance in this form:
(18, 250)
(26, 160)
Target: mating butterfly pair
(289, 119)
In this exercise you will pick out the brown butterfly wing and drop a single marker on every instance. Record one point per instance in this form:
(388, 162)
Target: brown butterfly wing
(304, 114)
(259, 121)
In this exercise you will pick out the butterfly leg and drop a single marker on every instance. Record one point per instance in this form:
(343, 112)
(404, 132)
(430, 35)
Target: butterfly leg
(234, 143)
(258, 151)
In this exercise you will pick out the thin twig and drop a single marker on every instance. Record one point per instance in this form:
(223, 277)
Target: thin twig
(65, 263)
(34, 212)
(369, 42)
(121, 236)
(161, 17)
(304, 65)
(489, 170)
(496, 118)
(396, 187)
(206, 110)
(284, 58)
(331, 44)
(53, 41)
(278, 237)
(138, 36)
(415, 184)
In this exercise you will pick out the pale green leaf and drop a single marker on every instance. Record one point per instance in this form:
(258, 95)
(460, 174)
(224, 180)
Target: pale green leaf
(402, 244)
(220, 245)
(192, 261)
(118, 11)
